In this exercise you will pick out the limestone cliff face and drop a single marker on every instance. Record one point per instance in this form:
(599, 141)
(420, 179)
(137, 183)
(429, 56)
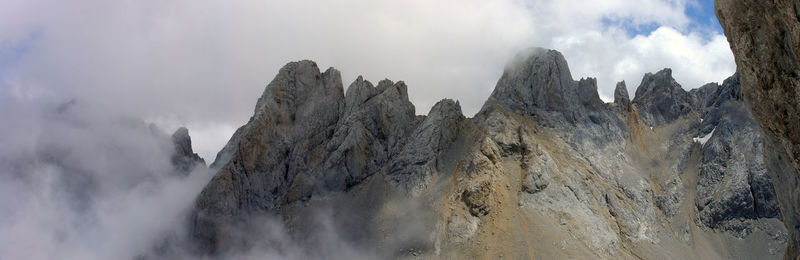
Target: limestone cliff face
(544, 170)
(765, 39)
(661, 99)
(308, 139)
(733, 140)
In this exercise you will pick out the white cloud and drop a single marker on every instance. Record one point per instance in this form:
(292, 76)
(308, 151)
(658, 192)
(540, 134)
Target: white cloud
(612, 56)
(209, 60)
(77, 183)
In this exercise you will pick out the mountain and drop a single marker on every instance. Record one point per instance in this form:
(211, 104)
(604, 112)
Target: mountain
(765, 39)
(184, 159)
(546, 169)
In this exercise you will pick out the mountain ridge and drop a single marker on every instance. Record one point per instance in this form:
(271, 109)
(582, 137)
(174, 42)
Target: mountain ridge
(621, 171)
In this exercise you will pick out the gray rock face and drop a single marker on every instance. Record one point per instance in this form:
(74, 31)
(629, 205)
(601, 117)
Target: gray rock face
(703, 97)
(372, 131)
(538, 83)
(538, 168)
(419, 159)
(765, 39)
(184, 159)
(293, 119)
(615, 178)
(661, 99)
(733, 186)
(621, 97)
(308, 139)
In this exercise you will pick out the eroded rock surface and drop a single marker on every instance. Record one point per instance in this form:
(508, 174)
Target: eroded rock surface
(184, 159)
(661, 99)
(308, 139)
(544, 170)
(765, 39)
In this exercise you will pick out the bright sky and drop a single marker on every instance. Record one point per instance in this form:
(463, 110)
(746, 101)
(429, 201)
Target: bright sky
(203, 63)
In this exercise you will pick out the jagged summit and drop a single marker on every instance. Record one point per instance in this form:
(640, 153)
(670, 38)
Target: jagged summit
(621, 96)
(184, 159)
(362, 90)
(309, 139)
(539, 79)
(544, 149)
(704, 95)
(660, 99)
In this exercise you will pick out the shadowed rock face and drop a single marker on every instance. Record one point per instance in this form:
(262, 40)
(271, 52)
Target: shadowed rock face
(544, 160)
(732, 186)
(621, 96)
(307, 139)
(765, 39)
(538, 83)
(184, 159)
(661, 99)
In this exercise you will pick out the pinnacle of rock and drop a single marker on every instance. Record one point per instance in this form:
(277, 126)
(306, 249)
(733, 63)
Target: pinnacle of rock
(539, 79)
(184, 159)
(661, 99)
(621, 97)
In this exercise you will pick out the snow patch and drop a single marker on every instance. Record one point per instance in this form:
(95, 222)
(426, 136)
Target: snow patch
(704, 139)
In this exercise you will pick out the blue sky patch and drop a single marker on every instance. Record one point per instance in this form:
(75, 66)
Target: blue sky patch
(12, 55)
(700, 13)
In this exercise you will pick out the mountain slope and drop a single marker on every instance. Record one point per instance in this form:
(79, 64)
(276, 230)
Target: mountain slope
(544, 170)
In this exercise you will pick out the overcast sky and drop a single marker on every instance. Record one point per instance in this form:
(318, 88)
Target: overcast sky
(204, 63)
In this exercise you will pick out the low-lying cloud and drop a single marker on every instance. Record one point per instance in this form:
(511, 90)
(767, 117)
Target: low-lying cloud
(79, 184)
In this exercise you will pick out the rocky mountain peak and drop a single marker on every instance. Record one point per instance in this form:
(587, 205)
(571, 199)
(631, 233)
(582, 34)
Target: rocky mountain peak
(184, 159)
(297, 84)
(621, 97)
(359, 91)
(538, 82)
(660, 99)
(703, 96)
(362, 90)
(657, 83)
(543, 143)
(731, 89)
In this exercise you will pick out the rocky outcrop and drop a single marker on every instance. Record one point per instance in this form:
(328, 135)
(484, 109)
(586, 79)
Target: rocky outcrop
(307, 138)
(661, 99)
(544, 157)
(420, 157)
(293, 119)
(765, 39)
(733, 188)
(538, 84)
(704, 96)
(184, 159)
(621, 97)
